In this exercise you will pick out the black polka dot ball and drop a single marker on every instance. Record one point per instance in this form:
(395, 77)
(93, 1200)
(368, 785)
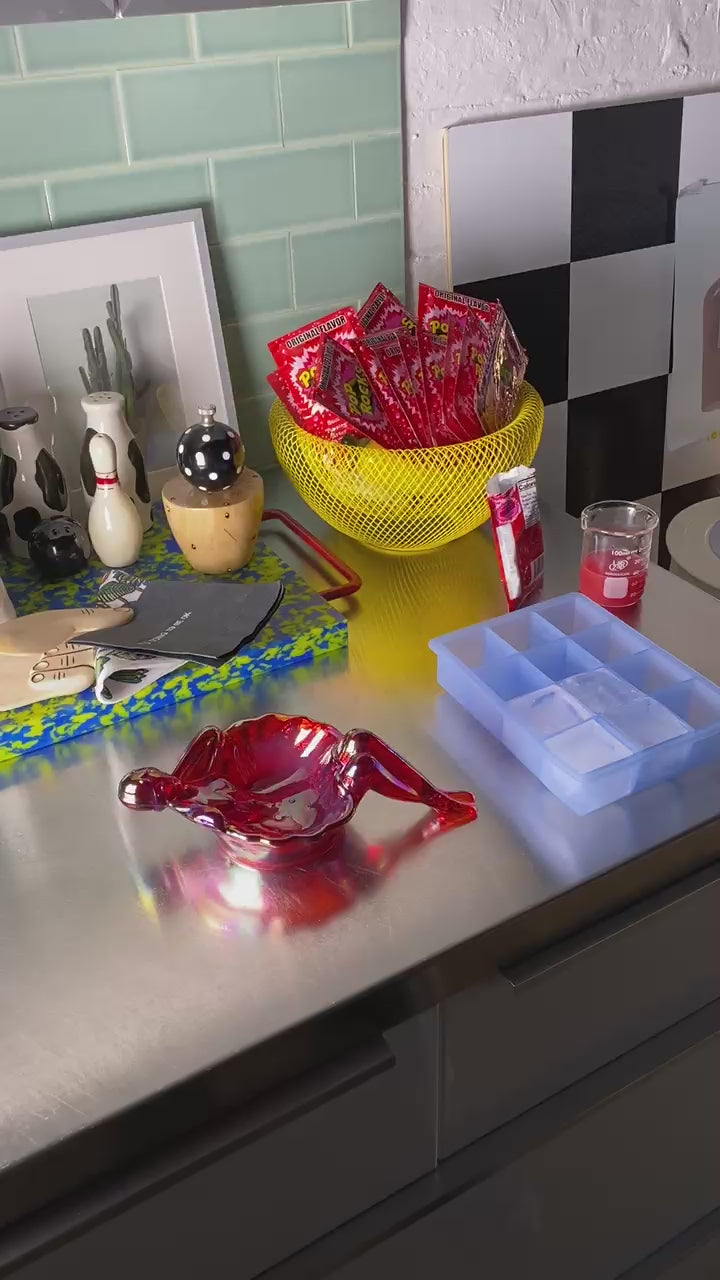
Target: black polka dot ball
(210, 455)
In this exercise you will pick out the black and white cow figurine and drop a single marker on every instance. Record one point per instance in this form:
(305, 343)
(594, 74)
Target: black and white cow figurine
(32, 485)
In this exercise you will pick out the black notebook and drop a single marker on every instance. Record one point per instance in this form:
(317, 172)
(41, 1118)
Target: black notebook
(204, 621)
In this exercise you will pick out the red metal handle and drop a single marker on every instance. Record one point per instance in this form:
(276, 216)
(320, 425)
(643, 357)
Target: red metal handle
(351, 580)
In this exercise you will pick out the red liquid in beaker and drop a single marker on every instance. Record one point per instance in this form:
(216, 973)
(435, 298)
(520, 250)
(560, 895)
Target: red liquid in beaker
(617, 582)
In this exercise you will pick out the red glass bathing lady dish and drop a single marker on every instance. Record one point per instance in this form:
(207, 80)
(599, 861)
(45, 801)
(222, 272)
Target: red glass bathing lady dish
(278, 789)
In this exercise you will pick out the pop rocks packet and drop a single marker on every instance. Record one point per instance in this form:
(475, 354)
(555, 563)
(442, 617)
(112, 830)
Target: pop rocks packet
(346, 390)
(298, 356)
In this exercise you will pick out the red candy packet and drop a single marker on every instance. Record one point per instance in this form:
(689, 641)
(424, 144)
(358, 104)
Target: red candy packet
(517, 533)
(382, 358)
(345, 389)
(298, 356)
(409, 346)
(384, 311)
(437, 307)
(333, 428)
(443, 316)
(476, 342)
(432, 357)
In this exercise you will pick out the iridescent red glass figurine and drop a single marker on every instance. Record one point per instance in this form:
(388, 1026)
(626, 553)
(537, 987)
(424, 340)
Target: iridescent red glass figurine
(278, 789)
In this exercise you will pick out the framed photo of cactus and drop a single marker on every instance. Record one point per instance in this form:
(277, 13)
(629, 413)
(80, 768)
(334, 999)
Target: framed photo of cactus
(126, 306)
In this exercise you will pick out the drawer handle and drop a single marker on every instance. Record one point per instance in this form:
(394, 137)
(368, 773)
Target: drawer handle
(544, 962)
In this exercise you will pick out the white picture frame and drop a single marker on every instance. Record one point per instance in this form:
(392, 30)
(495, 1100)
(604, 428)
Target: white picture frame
(52, 267)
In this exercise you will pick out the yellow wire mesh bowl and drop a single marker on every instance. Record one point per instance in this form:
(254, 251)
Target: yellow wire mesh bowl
(404, 500)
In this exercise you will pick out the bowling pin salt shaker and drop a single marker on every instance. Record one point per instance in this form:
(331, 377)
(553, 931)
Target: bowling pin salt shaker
(114, 523)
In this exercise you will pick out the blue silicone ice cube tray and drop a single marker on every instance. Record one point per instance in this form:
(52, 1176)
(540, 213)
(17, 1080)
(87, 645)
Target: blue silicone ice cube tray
(590, 706)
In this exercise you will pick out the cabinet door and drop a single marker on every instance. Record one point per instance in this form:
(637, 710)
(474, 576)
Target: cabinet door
(637, 1169)
(532, 1029)
(693, 1255)
(53, 10)
(300, 1162)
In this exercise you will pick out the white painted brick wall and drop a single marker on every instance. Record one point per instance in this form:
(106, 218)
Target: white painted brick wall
(475, 59)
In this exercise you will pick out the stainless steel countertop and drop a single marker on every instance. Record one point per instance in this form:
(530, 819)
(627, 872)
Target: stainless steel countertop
(111, 993)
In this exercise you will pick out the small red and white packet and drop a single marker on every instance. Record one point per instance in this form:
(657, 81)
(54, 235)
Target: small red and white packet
(442, 317)
(345, 390)
(383, 361)
(408, 344)
(432, 358)
(437, 307)
(517, 533)
(476, 343)
(333, 428)
(383, 310)
(298, 357)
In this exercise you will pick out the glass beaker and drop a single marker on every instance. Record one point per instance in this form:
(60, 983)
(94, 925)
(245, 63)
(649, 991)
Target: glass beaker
(617, 537)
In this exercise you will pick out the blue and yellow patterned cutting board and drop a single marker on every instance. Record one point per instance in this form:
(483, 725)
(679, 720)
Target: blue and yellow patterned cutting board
(302, 626)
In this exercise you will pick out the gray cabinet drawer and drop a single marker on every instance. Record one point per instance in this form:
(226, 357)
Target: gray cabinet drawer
(693, 1255)
(632, 1172)
(526, 1032)
(299, 1178)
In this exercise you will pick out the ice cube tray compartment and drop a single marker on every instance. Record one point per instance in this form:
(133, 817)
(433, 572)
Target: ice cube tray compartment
(561, 659)
(610, 641)
(571, 613)
(548, 711)
(524, 629)
(652, 670)
(591, 707)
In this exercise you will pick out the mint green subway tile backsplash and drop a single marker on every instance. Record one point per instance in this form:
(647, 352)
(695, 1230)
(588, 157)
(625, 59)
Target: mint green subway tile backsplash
(23, 208)
(8, 57)
(186, 110)
(297, 26)
(284, 188)
(246, 345)
(354, 92)
(374, 20)
(253, 277)
(58, 124)
(331, 265)
(378, 175)
(68, 46)
(148, 189)
(281, 123)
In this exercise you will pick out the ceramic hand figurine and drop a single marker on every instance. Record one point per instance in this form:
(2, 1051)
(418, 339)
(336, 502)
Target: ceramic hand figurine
(68, 669)
(32, 485)
(34, 633)
(59, 548)
(214, 505)
(105, 415)
(114, 525)
(36, 660)
(278, 789)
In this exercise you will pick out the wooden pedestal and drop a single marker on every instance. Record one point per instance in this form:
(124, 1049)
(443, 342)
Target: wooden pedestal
(216, 532)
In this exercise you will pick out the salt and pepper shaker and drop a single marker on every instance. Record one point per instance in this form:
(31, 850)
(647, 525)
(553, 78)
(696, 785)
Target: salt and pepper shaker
(32, 485)
(210, 454)
(105, 414)
(114, 524)
(214, 503)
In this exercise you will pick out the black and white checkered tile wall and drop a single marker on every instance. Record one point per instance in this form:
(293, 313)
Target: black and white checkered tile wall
(569, 219)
